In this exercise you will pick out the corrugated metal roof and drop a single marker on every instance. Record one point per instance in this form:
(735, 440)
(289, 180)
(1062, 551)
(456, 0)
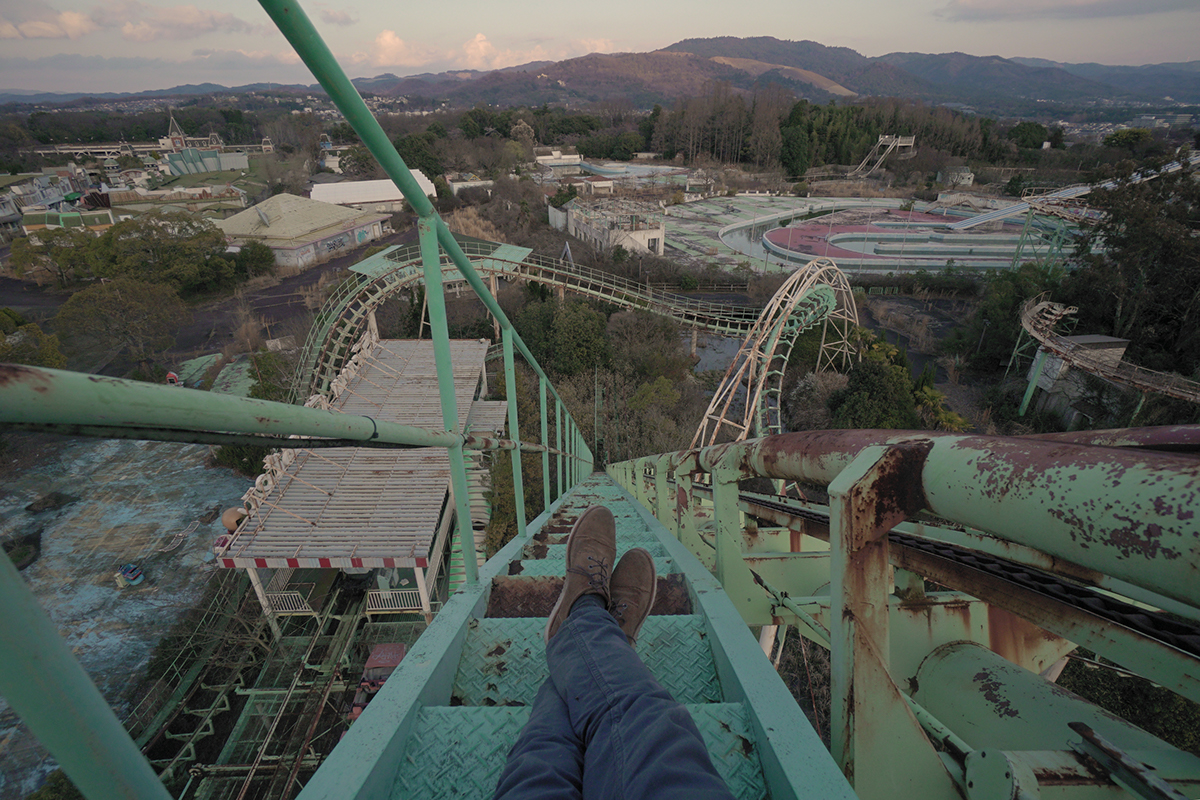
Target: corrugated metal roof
(356, 192)
(488, 418)
(364, 507)
(294, 219)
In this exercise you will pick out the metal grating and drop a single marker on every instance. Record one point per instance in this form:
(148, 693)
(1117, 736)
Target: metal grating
(504, 662)
(460, 752)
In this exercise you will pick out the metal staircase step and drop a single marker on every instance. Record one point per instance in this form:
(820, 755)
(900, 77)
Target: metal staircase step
(552, 567)
(504, 661)
(459, 752)
(558, 552)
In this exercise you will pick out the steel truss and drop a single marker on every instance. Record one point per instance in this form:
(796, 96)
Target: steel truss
(817, 293)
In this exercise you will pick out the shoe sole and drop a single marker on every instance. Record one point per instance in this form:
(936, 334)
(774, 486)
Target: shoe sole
(562, 594)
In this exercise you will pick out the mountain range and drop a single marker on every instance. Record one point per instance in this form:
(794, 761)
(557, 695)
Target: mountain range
(991, 84)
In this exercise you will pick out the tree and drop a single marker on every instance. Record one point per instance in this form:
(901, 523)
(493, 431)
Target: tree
(123, 314)
(343, 133)
(67, 254)
(28, 344)
(357, 161)
(166, 247)
(564, 195)
(794, 150)
(255, 259)
(1029, 135)
(1137, 271)
(418, 153)
(646, 346)
(988, 339)
(877, 395)
(577, 337)
(1128, 139)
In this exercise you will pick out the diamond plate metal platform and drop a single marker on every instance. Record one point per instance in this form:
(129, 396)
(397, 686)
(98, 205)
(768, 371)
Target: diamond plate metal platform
(545, 566)
(444, 723)
(460, 752)
(504, 661)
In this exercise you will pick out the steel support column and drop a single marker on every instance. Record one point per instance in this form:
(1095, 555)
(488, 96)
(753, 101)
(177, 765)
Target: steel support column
(545, 442)
(876, 740)
(514, 428)
(431, 260)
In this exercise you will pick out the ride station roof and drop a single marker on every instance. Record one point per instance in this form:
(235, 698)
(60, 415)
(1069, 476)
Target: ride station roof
(369, 507)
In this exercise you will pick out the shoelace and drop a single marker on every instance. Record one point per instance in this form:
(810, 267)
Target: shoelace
(597, 574)
(618, 611)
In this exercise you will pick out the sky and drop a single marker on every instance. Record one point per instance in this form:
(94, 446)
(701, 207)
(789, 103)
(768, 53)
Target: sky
(130, 45)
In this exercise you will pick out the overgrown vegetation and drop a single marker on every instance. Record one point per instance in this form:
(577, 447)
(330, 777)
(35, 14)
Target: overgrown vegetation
(173, 249)
(274, 373)
(1155, 709)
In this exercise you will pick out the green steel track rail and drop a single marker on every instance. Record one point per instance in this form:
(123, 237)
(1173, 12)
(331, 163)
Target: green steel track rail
(1091, 537)
(341, 320)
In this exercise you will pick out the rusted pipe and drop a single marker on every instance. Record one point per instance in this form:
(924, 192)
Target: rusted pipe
(1126, 513)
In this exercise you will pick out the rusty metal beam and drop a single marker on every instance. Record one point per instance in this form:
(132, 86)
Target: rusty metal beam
(1162, 663)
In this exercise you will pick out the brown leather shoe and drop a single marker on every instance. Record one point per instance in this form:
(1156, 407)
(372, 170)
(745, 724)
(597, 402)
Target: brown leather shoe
(634, 585)
(591, 551)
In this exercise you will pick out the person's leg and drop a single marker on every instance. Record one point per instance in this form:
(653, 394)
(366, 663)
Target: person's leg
(547, 759)
(638, 742)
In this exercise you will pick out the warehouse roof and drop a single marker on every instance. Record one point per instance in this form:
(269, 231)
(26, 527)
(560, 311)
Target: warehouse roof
(349, 193)
(286, 220)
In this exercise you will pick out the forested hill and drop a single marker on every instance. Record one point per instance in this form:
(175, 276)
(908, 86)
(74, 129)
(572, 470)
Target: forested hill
(991, 84)
(841, 64)
(990, 81)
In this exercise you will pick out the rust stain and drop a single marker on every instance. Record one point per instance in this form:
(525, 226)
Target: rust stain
(1014, 638)
(897, 486)
(15, 373)
(498, 650)
(747, 746)
(991, 692)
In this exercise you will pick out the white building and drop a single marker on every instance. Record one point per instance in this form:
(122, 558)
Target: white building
(302, 232)
(560, 161)
(637, 227)
(381, 196)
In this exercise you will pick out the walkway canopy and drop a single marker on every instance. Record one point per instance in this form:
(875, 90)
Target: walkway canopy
(363, 507)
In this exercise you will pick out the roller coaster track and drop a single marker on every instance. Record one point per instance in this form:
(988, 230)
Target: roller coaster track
(1038, 318)
(818, 293)
(340, 323)
(1070, 192)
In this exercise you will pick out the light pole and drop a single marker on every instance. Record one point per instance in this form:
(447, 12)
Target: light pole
(979, 346)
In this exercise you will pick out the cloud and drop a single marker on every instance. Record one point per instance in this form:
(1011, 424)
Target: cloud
(43, 22)
(480, 53)
(991, 10)
(337, 17)
(182, 22)
(392, 51)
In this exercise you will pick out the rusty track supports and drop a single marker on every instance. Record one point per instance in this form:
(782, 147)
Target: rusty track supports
(1117, 516)
(871, 721)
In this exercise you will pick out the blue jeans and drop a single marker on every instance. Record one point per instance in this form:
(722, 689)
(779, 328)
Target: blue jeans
(603, 727)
